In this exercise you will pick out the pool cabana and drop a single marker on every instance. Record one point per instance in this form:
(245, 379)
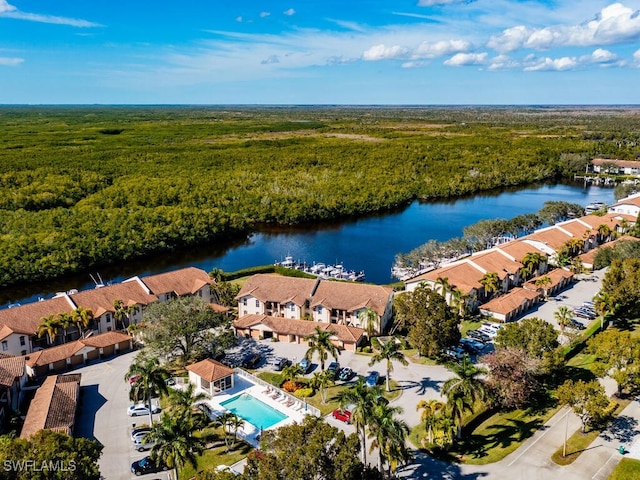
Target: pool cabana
(210, 376)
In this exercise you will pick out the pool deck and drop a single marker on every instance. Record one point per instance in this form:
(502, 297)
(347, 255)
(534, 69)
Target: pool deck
(294, 409)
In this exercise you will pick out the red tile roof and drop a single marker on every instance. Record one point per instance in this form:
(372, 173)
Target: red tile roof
(185, 281)
(100, 300)
(26, 318)
(277, 288)
(54, 405)
(300, 328)
(350, 296)
(510, 302)
(10, 369)
(618, 163)
(210, 370)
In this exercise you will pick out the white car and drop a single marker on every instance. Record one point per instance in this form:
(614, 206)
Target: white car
(135, 410)
(142, 446)
(138, 436)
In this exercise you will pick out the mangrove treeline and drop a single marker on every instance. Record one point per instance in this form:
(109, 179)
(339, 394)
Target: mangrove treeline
(82, 187)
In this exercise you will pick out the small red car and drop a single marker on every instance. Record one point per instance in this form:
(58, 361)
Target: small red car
(342, 415)
(134, 379)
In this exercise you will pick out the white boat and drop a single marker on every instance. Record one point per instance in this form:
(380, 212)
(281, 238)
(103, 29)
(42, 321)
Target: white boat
(594, 207)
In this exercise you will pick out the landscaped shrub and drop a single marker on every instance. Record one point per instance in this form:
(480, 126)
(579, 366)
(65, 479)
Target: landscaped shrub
(291, 386)
(366, 349)
(304, 392)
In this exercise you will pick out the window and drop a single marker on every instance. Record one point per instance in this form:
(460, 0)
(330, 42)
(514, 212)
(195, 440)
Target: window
(23, 352)
(244, 301)
(319, 310)
(22, 341)
(257, 302)
(292, 307)
(5, 345)
(108, 329)
(108, 318)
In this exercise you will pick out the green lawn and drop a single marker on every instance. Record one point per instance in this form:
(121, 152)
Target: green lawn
(495, 437)
(627, 469)
(217, 456)
(579, 441)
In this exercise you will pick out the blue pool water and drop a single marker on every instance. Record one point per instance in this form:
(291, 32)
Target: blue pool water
(257, 413)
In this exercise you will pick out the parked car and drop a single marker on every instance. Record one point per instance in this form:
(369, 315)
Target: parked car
(280, 362)
(580, 312)
(305, 365)
(471, 345)
(135, 410)
(345, 374)
(455, 352)
(134, 379)
(342, 415)
(576, 324)
(146, 465)
(334, 368)
(138, 433)
(251, 360)
(372, 379)
(481, 337)
(142, 446)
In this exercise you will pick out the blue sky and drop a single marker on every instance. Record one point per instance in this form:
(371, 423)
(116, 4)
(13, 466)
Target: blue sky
(320, 52)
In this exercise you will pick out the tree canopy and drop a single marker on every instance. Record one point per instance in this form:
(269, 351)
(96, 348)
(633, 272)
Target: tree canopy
(185, 328)
(432, 324)
(55, 455)
(533, 336)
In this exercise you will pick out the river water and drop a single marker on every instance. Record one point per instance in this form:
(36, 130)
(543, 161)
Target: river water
(369, 243)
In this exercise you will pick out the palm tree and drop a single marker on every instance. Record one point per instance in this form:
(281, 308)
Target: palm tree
(389, 351)
(320, 342)
(291, 372)
(605, 232)
(369, 321)
(389, 436)
(65, 320)
(563, 316)
(445, 286)
(151, 378)
(122, 313)
(463, 390)
(322, 381)
(82, 317)
(361, 399)
(49, 326)
(491, 283)
(175, 443)
(431, 411)
(604, 306)
(542, 283)
(459, 302)
(186, 398)
(532, 261)
(230, 422)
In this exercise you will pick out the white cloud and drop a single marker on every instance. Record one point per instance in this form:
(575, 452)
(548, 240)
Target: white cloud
(356, 27)
(503, 62)
(462, 59)
(440, 48)
(10, 11)
(601, 55)
(264, 14)
(614, 24)
(382, 52)
(636, 56)
(413, 64)
(289, 12)
(431, 3)
(239, 19)
(10, 62)
(412, 15)
(552, 64)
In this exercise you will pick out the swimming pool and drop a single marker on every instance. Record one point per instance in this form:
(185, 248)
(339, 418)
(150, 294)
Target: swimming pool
(257, 413)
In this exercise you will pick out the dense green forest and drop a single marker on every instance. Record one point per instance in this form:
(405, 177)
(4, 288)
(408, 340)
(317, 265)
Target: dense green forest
(82, 187)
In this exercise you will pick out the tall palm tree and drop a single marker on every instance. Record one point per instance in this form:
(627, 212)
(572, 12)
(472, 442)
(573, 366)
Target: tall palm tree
(361, 400)
(322, 345)
(604, 306)
(230, 423)
(389, 352)
(291, 372)
(122, 313)
(389, 436)
(605, 232)
(175, 442)
(82, 317)
(464, 390)
(65, 320)
(369, 321)
(322, 381)
(491, 283)
(542, 283)
(442, 286)
(459, 302)
(532, 261)
(49, 326)
(151, 378)
(431, 411)
(185, 398)
(563, 316)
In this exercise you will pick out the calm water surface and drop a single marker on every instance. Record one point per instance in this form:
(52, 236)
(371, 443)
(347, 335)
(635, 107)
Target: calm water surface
(368, 244)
